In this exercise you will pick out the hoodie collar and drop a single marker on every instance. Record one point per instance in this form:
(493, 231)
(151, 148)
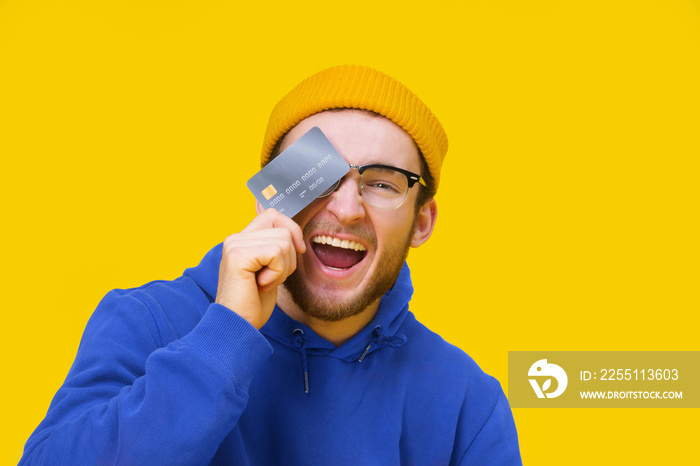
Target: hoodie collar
(393, 309)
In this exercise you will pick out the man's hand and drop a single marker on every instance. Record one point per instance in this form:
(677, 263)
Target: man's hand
(255, 262)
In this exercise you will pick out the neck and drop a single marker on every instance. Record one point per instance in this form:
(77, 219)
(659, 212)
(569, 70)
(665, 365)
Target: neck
(337, 332)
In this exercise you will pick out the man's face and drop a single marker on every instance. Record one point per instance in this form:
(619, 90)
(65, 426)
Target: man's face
(335, 282)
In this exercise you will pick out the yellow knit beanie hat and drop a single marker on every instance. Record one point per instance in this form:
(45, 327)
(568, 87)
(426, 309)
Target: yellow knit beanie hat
(351, 86)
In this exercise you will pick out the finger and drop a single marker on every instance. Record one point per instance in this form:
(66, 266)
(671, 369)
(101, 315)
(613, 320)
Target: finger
(242, 242)
(241, 245)
(268, 255)
(276, 270)
(244, 245)
(268, 280)
(271, 218)
(252, 259)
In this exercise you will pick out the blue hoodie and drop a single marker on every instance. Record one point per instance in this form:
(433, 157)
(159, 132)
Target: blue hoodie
(164, 375)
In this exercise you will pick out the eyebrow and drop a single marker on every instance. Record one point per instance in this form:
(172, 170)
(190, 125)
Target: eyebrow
(390, 166)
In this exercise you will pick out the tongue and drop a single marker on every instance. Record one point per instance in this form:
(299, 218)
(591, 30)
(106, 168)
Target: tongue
(337, 257)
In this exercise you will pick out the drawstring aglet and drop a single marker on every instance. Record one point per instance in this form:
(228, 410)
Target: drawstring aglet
(300, 343)
(365, 353)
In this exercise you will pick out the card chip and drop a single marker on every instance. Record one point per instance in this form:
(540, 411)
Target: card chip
(269, 192)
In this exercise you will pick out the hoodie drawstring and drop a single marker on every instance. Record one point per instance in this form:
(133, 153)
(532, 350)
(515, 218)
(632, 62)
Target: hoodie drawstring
(300, 342)
(380, 341)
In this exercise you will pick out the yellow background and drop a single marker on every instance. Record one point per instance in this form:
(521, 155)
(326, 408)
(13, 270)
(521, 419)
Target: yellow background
(568, 206)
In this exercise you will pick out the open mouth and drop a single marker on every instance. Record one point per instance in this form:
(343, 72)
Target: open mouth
(337, 253)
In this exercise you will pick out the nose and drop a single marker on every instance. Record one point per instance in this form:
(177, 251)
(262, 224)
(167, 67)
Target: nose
(346, 203)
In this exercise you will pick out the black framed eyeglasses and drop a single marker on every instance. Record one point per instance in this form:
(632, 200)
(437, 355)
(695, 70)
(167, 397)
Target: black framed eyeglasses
(382, 186)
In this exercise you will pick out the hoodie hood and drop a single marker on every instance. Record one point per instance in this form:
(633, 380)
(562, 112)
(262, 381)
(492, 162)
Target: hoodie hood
(379, 333)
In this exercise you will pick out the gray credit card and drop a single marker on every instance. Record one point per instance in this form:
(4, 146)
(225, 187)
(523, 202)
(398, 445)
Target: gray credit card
(299, 175)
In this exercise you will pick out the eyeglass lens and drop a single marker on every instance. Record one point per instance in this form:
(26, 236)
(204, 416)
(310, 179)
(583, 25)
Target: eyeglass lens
(382, 188)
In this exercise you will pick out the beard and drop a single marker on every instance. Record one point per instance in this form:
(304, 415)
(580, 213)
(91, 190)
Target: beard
(330, 309)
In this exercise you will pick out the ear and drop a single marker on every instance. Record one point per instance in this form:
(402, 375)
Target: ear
(258, 207)
(425, 222)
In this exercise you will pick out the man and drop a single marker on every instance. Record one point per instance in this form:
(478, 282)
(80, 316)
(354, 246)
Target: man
(292, 342)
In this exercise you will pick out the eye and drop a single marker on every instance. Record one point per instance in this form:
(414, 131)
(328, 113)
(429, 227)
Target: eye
(381, 185)
(384, 181)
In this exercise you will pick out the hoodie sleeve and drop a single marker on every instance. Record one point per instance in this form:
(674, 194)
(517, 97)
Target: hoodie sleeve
(496, 443)
(133, 398)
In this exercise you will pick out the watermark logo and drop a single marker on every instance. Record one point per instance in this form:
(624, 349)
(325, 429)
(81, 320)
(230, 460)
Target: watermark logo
(603, 379)
(543, 369)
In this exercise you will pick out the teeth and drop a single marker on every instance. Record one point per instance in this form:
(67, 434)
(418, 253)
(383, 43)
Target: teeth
(338, 243)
